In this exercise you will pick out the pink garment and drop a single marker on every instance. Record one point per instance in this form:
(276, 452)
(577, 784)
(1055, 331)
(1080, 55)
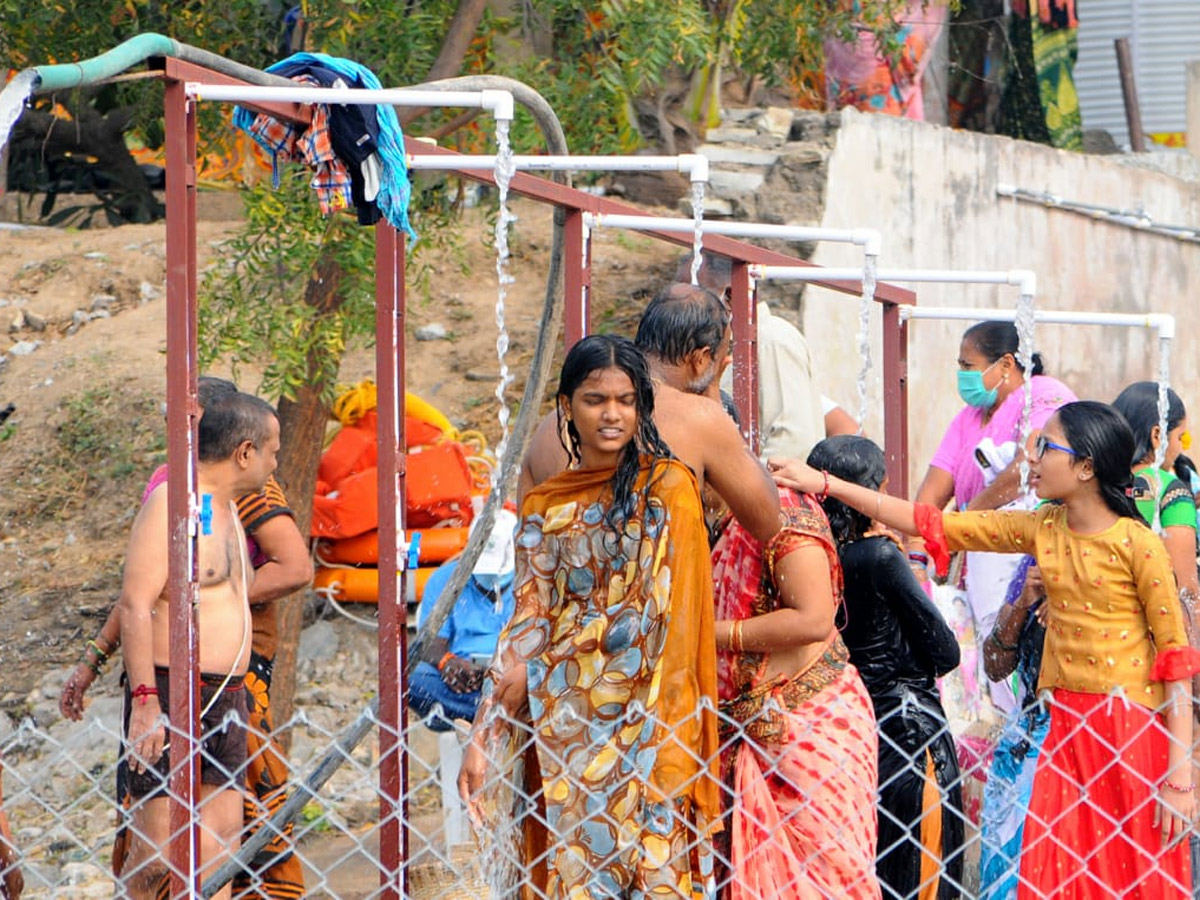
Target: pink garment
(956, 453)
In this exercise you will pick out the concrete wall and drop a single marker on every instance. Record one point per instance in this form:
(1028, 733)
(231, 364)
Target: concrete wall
(932, 192)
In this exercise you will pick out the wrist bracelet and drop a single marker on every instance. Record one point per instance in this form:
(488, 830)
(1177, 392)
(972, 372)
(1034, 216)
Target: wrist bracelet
(735, 637)
(142, 691)
(1182, 789)
(1007, 648)
(821, 497)
(921, 558)
(101, 656)
(96, 670)
(445, 659)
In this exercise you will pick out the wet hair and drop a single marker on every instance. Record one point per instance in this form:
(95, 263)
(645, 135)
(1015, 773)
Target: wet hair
(230, 419)
(1098, 432)
(716, 271)
(681, 319)
(730, 408)
(1138, 403)
(858, 460)
(996, 339)
(609, 351)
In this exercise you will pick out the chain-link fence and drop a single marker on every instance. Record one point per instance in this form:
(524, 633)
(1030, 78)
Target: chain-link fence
(812, 795)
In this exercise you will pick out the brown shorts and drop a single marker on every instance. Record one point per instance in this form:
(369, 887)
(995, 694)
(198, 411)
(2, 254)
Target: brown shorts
(222, 735)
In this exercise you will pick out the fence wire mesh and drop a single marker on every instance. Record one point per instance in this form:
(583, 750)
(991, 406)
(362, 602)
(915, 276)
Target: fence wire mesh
(809, 806)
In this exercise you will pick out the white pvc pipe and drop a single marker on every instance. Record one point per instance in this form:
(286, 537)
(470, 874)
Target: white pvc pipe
(695, 165)
(1023, 278)
(868, 238)
(499, 103)
(1163, 323)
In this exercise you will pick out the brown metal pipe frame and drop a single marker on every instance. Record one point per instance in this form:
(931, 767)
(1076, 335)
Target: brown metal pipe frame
(183, 414)
(182, 417)
(389, 373)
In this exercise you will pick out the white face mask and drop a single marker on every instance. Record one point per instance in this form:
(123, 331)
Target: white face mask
(493, 581)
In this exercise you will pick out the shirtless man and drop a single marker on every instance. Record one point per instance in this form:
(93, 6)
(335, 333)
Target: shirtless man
(685, 335)
(238, 442)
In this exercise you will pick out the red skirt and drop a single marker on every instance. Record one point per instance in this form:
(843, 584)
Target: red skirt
(1089, 834)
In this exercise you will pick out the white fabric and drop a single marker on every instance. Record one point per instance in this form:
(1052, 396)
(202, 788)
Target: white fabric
(499, 553)
(790, 418)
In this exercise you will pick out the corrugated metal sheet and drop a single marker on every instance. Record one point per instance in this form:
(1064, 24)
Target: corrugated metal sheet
(1163, 35)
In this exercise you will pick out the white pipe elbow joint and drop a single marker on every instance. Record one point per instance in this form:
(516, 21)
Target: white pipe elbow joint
(1025, 280)
(870, 239)
(500, 103)
(1165, 323)
(696, 165)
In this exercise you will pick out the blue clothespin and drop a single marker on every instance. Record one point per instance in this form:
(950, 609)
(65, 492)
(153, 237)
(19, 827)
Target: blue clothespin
(206, 513)
(414, 550)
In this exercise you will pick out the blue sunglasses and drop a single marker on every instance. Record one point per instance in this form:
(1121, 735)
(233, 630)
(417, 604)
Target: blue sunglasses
(1041, 445)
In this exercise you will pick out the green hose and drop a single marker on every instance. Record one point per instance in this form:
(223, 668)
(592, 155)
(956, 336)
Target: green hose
(106, 65)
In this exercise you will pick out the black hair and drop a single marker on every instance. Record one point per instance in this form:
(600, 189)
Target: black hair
(1098, 432)
(1184, 469)
(610, 351)
(996, 339)
(681, 319)
(1138, 403)
(858, 460)
(210, 389)
(730, 407)
(716, 271)
(230, 419)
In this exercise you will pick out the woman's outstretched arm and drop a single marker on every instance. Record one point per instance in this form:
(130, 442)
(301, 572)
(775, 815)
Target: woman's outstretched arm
(891, 511)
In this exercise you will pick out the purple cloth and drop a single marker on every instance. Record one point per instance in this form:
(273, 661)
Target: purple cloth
(956, 453)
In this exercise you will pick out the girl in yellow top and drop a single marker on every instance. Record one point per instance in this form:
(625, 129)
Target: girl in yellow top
(1113, 792)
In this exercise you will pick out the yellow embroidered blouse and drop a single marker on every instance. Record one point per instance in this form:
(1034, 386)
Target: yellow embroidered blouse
(1113, 602)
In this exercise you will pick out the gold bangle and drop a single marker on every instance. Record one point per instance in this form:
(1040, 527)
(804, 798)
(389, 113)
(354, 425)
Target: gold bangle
(735, 637)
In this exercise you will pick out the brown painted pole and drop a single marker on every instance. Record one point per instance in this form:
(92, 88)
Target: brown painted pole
(895, 399)
(389, 369)
(577, 281)
(1133, 111)
(182, 418)
(745, 351)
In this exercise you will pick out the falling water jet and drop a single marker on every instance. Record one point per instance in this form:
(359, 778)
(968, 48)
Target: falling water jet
(504, 171)
(698, 188)
(1024, 323)
(869, 279)
(1164, 406)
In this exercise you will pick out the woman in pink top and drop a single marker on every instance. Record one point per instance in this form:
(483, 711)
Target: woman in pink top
(977, 463)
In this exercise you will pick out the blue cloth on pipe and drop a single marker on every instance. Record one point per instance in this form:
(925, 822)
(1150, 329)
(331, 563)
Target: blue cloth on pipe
(395, 189)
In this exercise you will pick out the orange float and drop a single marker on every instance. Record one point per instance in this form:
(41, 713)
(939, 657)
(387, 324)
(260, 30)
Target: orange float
(437, 546)
(362, 585)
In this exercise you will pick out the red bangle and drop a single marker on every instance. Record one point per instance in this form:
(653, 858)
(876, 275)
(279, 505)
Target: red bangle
(1180, 788)
(142, 691)
(821, 497)
(445, 659)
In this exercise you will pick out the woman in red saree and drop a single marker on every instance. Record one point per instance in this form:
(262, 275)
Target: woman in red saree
(592, 766)
(799, 751)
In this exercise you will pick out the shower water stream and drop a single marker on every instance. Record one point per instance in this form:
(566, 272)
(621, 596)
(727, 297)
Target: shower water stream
(1024, 323)
(869, 278)
(1164, 406)
(504, 171)
(698, 188)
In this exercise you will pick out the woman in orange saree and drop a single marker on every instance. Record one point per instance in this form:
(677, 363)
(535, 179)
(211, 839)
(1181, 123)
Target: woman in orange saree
(799, 747)
(592, 768)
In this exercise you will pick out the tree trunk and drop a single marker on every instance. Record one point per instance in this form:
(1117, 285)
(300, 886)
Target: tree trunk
(302, 421)
(454, 48)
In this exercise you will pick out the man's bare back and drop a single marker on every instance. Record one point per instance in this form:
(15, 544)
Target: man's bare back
(702, 436)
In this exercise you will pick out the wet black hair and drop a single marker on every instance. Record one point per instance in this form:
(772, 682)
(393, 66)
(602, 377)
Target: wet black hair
(996, 339)
(1138, 403)
(1185, 468)
(681, 319)
(230, 419)
(609, 351)
(858, 460)
(1098, 432)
